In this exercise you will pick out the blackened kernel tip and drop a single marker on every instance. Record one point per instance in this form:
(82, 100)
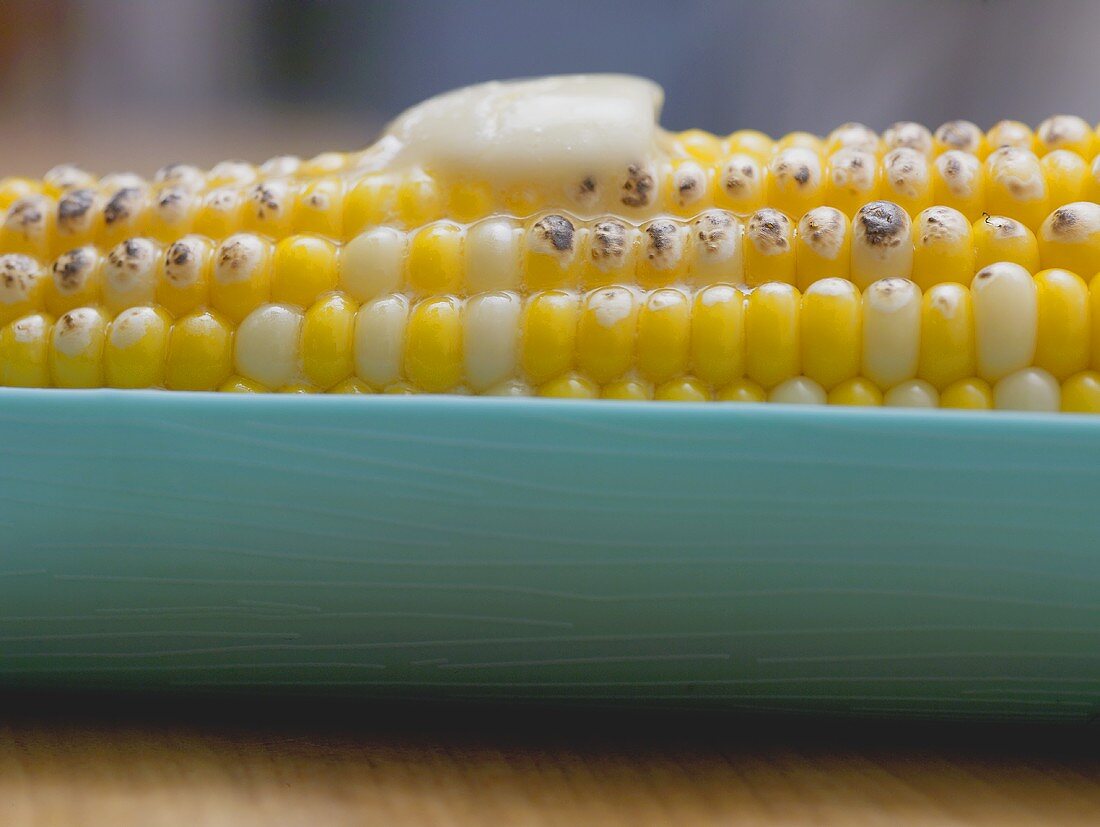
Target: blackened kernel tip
(558, 230)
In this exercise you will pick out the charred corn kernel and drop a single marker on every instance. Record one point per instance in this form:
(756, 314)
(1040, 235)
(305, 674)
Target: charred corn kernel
(490, 339)
(183, 275)
(1010, 133)
(700, 145)
(947, 346)
(715, 250)
(891, 331)
(1028, 389)
(1070, 238)
(123, 215)
(852, 179)
(129, 274)
(76, 349)
(370, 201)
(970, 394)
(687, 188)
(662, 259)
(772, 334)
(831, 334)
(433, 345)
(769, 248)
(1080, 393)
(605, 333)
(171, 214)
(550, 253)
(319, 208)
(1064, 327)
(907, 180)
(327, 332)
(326, 163)
(799, 390)
(22, 286)
(852, 136)
(25, 351)
(684, 389)
(379, 344)
(493, 255)
(752, 142)
(239, 384)
(913, 393)
(1006, 318)
(434, 263)
(231, 174)
(744, 390)
(510, 387)
(29, 226)
(570, 386)
(612, 252)
(135, 352)
(372, 264)
(664, 335)
(354, 385)
(627, 390)
(823, 247)
(417, 199)
(997, 238)
(267, 345)
(12, 189)
(794, 181)
(241, 277)
(959, 182)
(1015, 186)
(856, 392)
(468, 200)
(64, 177)
(1066, 175)
(1065, 132)
(303, 268)
(959, 135)
(200, 353)
(718, 334)
(181, 176)
(269, 208)
(740, 184)
(219, 213)
(943, 247)
(74, 281)
(882, 245)
(76, 217)
(908, 135)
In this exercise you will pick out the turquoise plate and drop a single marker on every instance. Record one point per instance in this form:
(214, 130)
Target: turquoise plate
(760, 557)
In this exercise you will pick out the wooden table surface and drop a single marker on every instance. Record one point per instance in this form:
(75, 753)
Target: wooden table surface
(75, 760)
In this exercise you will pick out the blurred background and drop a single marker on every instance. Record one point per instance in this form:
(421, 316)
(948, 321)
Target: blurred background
(119, 85)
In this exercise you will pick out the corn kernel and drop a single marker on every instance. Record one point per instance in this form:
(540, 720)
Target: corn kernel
(612, 252)
(12, 189)
(997, 238)
(76, 349)
(798, 391)
(327, 333)
(25, 352)
(687, 188)
(947, 346)
(718, 334)
(469, 200)
(907, 180)
(852, 179)
(751, 141)
(891, 331)
(799, 140)
(943, 247)
(319, 208)
(1015, 186)
(1028, 389)
(831, 332)
(1066, 175)
(29, 226)
(239, 384)
(664, 335)
(129, 274)
(433, 345)
(662, 260)
(822, 247)
(1065, 132)
(241, 276)
(380, 328)
(909, 135)
(200, 353)
(352, 386)
(772, 334)
(219, 213)
(606, 332)
(912, 393)
(971, 394)
(76, 217)
(418, 200)
(715, 252)
(856, 392)
(744, 390)
(183, 275)
(1010, 133)
(135, 351)
(740, 184)
(267, 347)
(1005, 319)
(74, 281)
(700, 145)
(794, 181)
(231, 174)
(1070, 239)
(22, 286)
(1081, 393)
(570, 386)
(627, 390)
(769, 248)
(369, 202)
(304, 268)
(123, 215)
(852, 135)
(958, 181)
(962, 136)
(550, 253)
(684, 389)
(1064, 324)
(491, 339)
(549, 335)
(493, 255)
(882, 245)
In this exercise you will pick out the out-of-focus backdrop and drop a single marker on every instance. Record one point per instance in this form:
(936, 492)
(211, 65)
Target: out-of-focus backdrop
(119, 85)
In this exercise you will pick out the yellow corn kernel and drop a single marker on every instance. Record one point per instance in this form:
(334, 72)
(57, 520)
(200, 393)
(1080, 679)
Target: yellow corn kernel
(799, 140)
(326, 163)
(319, 208)
(1094, 317)
(772, 334)
(1028, 389)
(200, 353)
(371, 201)
(1010, 133)
(798, 391)
(715, 252)
(22, 286)
(469, 200)
(549, 335)
(907, 135)
(570, 386)
(12, 189)
(29, 226)
(304, 268)
(76, 217)
(852, 135)
(171, 213)
(417, 199)
(769, 248)
(664, 335)
(687, 188)
(129, 274)
(76, 349)
(231, 174)
(1070, 239)
(907, 180)
(327, 333)
(1081, 393)
(267, 345)
(550, 253)
(943, 247)
(962, 136)
(25, 352)
(958, 181)
(1015, 186)
(241, 279)
(1065, 132)
(492, 254)
(1066, 175)
(752, 142)
(852, 179)
(718, 334)
(997, 238)
(239, 384)
(1064, 326)
(380, 330)
(627, 390)
(882, 244)
(354, 385)
(74, 281)
(823, 246)
(947, 345)
(684, 389)
(605, 333)
(433, 345)
(856, 392)
(219, 213)
(912, 393)
(743, 390)
(795, 181)
(1006, 317)
(523, 200)
(971, 394)
(135, 352)
(269, 208)
(123, 215)
(700, 145)
(662, 259)
(891, 331)
(611, 254)
(740, 184)
(832, 331)
(183, 275)
(490, 339)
